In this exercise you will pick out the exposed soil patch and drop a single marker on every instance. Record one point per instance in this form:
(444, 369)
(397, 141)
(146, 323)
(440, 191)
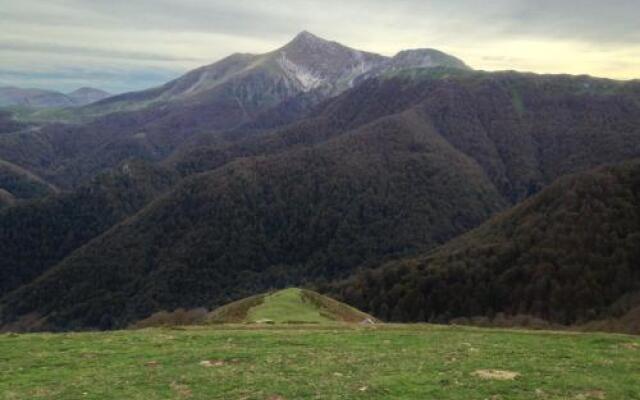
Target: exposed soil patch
(217, 363)
(183, 391)
(496, 374)
(591, 394)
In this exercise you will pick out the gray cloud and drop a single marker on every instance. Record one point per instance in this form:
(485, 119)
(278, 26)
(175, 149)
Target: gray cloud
(599, 22)
(176, 35)
(43, 47)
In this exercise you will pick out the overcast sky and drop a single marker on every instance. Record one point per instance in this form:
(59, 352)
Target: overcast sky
(121, 45)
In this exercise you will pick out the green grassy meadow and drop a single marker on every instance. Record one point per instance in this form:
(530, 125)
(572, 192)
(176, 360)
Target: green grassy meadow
(286, 305)
(319, 362)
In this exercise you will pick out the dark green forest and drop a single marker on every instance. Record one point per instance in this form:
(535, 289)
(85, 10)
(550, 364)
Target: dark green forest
(19, 184)
(568, 255)
(35, 236)
(268, 222)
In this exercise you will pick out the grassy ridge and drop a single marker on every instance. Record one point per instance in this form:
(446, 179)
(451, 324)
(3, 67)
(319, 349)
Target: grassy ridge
(287, 306)
(382, 362)
(236, 312)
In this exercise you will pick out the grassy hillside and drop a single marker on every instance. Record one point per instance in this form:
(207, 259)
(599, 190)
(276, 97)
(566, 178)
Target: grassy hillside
(568, 255)
(381, 362)
(286, 306)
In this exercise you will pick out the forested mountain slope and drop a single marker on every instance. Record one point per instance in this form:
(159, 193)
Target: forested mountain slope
(568, 255)
(524, 130)
(391, 187)
(19, 184)
(35, 236)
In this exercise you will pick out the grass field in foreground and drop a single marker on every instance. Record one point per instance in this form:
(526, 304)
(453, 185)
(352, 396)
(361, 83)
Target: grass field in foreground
(321, 362)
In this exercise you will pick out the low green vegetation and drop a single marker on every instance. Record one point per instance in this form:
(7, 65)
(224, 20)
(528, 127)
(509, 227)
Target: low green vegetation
(319, 362)
(286, 306)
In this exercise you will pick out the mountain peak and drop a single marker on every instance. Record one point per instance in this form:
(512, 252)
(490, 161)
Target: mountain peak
(307, 40)
(313, 62)
(87, 95)
(307, 36)
(420, 58)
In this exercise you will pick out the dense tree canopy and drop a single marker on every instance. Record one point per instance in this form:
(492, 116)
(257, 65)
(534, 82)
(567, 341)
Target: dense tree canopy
(568, 255)
(316, 213)
(36, 235)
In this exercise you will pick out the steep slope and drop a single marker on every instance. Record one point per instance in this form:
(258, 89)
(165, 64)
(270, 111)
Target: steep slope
(288, 306)
(6, 199)
(524, 130)
(307, 63)
(36, 235)
(245, 84)
(21, 184)
(569, 255)
(389, 188)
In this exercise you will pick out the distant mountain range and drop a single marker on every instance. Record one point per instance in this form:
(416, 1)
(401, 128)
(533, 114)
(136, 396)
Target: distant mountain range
(38, 98)
(311, 164)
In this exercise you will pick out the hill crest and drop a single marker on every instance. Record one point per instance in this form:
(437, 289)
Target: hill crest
(288, 306)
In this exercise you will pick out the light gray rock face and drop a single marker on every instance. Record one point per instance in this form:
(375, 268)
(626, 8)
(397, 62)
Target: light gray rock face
(313, 63)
